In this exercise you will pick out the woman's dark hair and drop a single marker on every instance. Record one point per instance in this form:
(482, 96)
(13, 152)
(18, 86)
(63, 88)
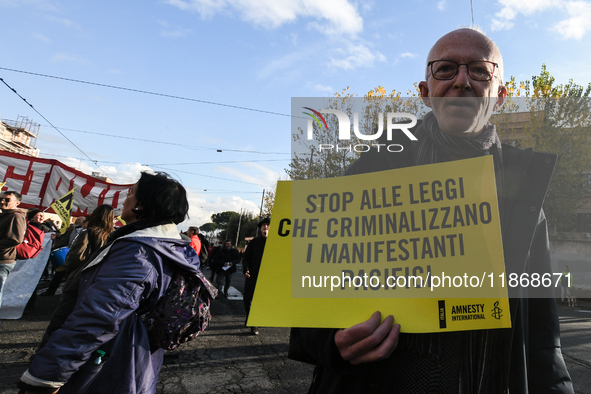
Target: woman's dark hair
(32, 212)
(162, 199)
(102, 217)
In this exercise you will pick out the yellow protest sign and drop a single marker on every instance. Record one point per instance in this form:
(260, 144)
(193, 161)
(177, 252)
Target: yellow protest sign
(421, 243)
(63, 208)
(2, 184)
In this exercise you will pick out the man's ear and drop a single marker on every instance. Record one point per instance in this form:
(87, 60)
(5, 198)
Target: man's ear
(424, 88)
(501, 98)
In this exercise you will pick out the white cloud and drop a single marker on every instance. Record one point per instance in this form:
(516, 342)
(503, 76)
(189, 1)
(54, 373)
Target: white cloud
(178, 32)
(258, 174)
(41, 38)
(201, 208)
(409, 55)
(286, 62)
(357, 56)
(441, 5)
(575, 26)
(172, 31)
(125, 173)
(323, 88)
(578, 23)
(62, 21)
(40, 4)
(333, 17)
(66, 57)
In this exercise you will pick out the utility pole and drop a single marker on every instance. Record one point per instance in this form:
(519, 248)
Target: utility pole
(262, 200)
(239, 222)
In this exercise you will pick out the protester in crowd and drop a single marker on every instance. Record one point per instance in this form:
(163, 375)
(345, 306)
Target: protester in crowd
(185, 237)
(193, 233)
(464, 84)
(251, 263)
(100, 339)
(90, 239)
(67, 238)
(54, 227)
(210, 261)
(204, 254)
(225, 261)
(12, 233)
(35, 217)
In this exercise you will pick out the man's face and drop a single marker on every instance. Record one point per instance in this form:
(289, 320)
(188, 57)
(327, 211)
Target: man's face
(228, 245)
(79, 221)
(8, 201)
(463, 105)
(38, 218)
(265, 229)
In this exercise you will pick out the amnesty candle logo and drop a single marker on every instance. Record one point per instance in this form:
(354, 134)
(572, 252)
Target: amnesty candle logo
(497, 312)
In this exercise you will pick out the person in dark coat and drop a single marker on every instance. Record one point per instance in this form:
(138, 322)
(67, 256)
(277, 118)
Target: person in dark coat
(96, 342)
(13, 226)
(251, 263)
(464, 85)
(225, 262)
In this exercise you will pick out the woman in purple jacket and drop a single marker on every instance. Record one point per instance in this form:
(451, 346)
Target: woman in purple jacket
(96, 341)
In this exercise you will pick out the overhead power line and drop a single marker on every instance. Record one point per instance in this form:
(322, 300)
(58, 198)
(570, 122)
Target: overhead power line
(170, 143)
(167, 169)
(145, 92)
(58, 130)
(171, 164)
(209, 176)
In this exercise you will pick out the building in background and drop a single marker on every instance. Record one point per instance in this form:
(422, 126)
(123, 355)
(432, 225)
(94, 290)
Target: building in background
(19, 136)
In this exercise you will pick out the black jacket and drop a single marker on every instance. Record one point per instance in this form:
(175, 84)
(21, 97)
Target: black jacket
(226, 256)
(253, 256)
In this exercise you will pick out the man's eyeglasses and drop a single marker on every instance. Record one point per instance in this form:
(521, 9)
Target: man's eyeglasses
(5, 199)
(480, 70)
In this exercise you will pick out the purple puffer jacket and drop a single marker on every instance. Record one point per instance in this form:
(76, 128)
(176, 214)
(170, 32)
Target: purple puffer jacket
(136, 267)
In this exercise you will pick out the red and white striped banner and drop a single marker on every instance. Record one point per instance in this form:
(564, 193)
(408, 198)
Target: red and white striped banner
(42, 181)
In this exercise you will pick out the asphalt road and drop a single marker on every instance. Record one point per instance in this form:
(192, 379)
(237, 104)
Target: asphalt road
(224, 359)
(228, 359)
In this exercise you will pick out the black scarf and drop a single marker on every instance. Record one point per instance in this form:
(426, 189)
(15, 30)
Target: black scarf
(481, 368)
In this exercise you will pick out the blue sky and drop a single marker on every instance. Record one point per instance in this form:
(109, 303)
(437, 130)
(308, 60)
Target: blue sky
(247, 53)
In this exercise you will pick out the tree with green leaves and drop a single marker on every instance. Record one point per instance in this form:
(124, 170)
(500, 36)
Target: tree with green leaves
(229, 223)
(559, 122)
(209, 230)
